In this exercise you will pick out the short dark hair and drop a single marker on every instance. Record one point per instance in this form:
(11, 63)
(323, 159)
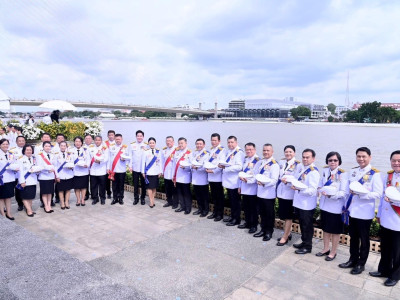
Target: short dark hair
(27, 146)
(46, 133)
(170, 137)
(364, 149)
(110, 131)
(333, 153)
(4, 140)
(216, 135)
(232, 137)
(88, 134)
(63, 142)
(60, 134)
(182, 139)
(118, 134)
(309, 150)
(46, 142)
(290, 147)
(98, 136)
(251, 145)
(200, 140)
(394, 153)
(78, 138)
(267, 145)
(139, 131)
(20, 136)
(10, 125)
(152, 139)
(18, 128)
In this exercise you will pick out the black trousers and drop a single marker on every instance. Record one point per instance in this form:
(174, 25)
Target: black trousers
(136, 177)
(88, 189)
(389, 264)
(118, 186)
(184, 196)
(234, 198)
(170, 191)
(201, 192)
(98, 187)
(359, 240)
(249, 204)
(217, 197)
(306, 227)
(17, 194)
(267, 213)
(108, 186)
(56, 191)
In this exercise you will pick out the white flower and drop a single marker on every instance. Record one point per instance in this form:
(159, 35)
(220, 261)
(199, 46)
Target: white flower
(94, 128)
(31, 132)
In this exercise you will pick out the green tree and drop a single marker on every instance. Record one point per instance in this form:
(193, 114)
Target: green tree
(386, 115)
(370, 111)
(352, 116)
(331, 107)
(300, 111)
(330, 119)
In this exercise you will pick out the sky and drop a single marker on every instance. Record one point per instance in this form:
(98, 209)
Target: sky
(180, 52)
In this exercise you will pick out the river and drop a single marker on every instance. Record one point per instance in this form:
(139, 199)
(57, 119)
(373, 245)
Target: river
(321, 137)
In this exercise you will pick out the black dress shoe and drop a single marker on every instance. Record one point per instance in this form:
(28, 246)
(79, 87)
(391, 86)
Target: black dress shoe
(282, 244)
(10, 218)
(267, 237)
(179, 209)
(20, 207)
(77, 204)
(390, 282)
(121, 202)
(302, 251)
(323, 253)
(243, 226)
(259, 234)
(376, 274)
(136, 201)
(346, 265)
(174, 207)
(52, 203)
(357, 270)
(197, 212)
(86, 198)
(328, 258)
(233, 223)
(217, 219)
(41, 205)
(187, 212)
(94, 202)
(203, 215)
(103, 201)
(229, 219)
(252, 230)
(289, 238)
(212, 216)
(115, 201)
(167, 205)
(83, 204)
(57, 200)
(142, 201)
(298, 246)
(108, 196)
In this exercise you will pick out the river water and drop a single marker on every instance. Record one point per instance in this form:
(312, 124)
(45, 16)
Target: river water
(322, 137)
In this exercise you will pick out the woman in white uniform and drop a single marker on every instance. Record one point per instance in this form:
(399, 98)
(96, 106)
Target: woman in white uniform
(81, 159)
(47, 176)
(65, 170)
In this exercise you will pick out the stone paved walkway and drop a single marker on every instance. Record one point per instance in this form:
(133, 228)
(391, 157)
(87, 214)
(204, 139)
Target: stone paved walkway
(139, 252)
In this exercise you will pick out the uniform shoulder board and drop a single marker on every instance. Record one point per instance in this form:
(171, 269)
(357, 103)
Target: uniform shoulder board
(56, 152)
(177, 148)
(40, 152)
(355, 167)
(133, 143)
(326, 167)
(91, 145)
(257, 158)
(220, 148)
(146, 143)
(273, 161)
(297, 161)
(124, 146)
(12, 148)
(165, 148)
(205, 151)
(146, 149)
(157, 149)
(190, 151)
(390, 172)
(104, 147)
(341, 170)
(376, 170)
(313, 168)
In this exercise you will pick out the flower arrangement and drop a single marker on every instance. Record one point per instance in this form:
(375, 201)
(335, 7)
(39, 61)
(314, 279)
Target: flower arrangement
(94, 128)
(31, 132)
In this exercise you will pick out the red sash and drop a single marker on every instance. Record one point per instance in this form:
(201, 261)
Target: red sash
(169, 160)
(92, 161)
(45, 159)
(389, 183)
(178, 163)
(115, 161)
(108, 144)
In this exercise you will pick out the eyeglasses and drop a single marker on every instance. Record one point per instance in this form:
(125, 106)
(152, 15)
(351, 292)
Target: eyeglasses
(333, 160)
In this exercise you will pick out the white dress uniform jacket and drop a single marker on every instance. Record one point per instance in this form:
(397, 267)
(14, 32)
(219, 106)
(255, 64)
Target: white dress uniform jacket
(99, 168)
(271, 170)
(249, 187)
(230, 178)
(167, 168)
(25, 165)
(121, 164)
(136, 153)
(334, 203)
(216, 176)
(363, 206)
(46, 173)
(10, 171)
(183, 174)
(389, 218)
(291, 167)
(199, 174)
(147, 157)
(82, 155)
(61, 157)
(307, 199)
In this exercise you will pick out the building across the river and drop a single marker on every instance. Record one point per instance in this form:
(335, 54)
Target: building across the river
(270, 108)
